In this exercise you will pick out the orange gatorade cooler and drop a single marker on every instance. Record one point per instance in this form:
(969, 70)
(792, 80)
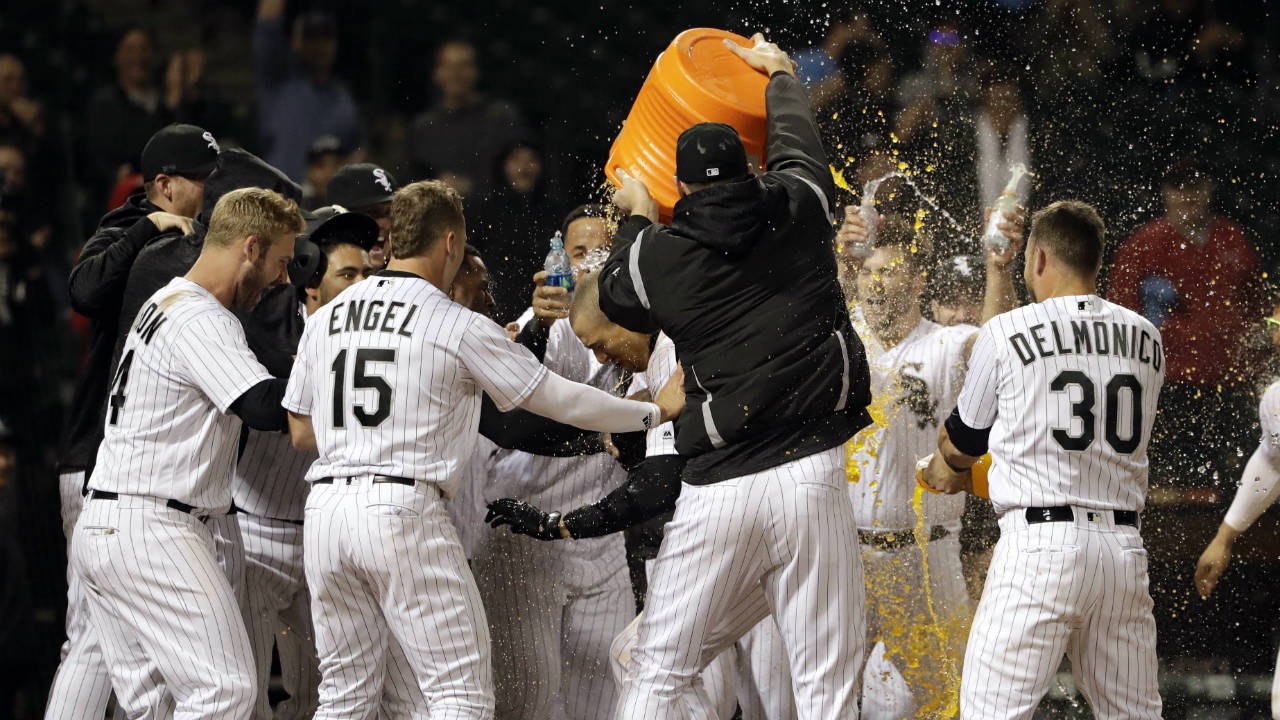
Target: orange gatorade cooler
(696, 79)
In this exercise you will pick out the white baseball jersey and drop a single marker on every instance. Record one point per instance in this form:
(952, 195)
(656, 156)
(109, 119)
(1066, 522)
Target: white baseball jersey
(1068, 388)
(660, 440)
(168, 434)
(397, 346)
(1269, 419)
(915, 384)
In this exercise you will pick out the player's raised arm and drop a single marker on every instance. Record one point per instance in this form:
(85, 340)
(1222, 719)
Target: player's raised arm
(1000, 296)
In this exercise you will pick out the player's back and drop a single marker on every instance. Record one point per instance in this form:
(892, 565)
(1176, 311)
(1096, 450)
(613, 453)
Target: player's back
(1078, 380)
(392, 393)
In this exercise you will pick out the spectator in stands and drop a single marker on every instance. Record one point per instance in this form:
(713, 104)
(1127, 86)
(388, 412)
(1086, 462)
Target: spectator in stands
(819, 64)
(21, 118)
(124, 115)
(514, 224)
(324, 157)
(941, 89)
(461, 135)
(299, 100)
(859, 100)
(1195, 276)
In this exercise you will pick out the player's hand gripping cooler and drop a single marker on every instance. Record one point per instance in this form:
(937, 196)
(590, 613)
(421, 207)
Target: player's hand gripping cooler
(977, 474)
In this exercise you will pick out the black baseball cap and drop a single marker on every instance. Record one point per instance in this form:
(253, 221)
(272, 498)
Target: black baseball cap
(360, 185)
(179, 149)
(708, 152)
(325, 145)
(335, 224)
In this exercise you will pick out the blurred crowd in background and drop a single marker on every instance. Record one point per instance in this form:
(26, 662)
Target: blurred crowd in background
(1162, 113)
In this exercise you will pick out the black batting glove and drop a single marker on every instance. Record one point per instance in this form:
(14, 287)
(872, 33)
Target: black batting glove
(523, 518)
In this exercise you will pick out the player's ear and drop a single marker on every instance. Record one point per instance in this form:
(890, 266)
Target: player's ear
(313, 294)
(252, 248)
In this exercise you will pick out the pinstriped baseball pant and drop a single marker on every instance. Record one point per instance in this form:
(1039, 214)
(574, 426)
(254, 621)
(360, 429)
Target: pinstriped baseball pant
(781, 542)
(383, 560)
(163, 608)
(1077, 588)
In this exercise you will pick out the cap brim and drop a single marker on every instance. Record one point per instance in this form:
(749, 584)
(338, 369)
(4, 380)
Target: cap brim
(361, 201)
(350, 227)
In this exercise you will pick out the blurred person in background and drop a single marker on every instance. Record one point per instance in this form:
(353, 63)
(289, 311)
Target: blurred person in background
(367, 189)
(16, 618)
(1194, 275)
(514, 224)
(940, 89)
(324, 157)
(21, 118)
(299, 99)
(462, 134)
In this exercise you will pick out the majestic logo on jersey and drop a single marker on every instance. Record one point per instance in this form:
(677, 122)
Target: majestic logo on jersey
(380, 177)
(915, 396)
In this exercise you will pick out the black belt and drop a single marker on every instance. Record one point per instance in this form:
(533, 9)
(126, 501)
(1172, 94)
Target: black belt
(376, 479)
(897, 539)
(1063, 513)
(175, 504)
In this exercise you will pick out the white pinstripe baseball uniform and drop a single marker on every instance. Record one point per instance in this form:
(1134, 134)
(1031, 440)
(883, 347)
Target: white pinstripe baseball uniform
(554, 608)
(390, 373)
(270, 491)
(1259, 488)
(915, 383)
(1068, 390)
(753, 674)
(157, 596)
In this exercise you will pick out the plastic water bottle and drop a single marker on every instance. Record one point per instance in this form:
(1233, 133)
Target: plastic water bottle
(559, 270)
(867, 211)
(1005, 207)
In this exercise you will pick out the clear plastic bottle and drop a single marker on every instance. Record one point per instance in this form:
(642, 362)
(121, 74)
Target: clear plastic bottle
(559, 269)
(1005, 207)
(867, 211)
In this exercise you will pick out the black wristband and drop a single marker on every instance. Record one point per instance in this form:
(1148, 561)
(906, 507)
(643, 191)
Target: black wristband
(953, 468)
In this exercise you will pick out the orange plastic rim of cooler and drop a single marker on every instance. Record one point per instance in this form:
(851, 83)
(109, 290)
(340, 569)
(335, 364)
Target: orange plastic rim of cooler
(696, 79)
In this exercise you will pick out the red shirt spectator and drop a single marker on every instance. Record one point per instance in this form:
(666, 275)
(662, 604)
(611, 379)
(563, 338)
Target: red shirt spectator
(1196, 277)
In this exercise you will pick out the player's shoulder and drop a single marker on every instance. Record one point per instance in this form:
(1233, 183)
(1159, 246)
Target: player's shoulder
(1129, 317)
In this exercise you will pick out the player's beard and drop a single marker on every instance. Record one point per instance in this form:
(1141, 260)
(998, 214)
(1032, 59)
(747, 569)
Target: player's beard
(250, 288)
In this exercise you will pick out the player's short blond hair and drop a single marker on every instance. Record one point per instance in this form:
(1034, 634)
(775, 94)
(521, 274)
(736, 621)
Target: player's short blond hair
(265, 214)
(900, 233)
(1072, 232)
(422, 213)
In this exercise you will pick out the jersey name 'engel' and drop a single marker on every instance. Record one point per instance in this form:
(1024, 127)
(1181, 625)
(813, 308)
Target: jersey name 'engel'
(370, 316)
(1084, 337)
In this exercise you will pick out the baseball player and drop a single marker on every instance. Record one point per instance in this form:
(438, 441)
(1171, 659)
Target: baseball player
(175, 162)
(185, 382)
(554, 610)
(753, 672)
(744, 282)
(394, 371)
(1258, 491)
(366, 188)
(1063, 392)
(268, 487)
(917, 603)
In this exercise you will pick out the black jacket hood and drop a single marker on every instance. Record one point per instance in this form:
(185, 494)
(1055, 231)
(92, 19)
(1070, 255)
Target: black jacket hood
(729, 218)
(242, 169)
(134, 208)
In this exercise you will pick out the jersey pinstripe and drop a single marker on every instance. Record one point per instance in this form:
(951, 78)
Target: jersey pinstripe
(914, 384)
(397, 347)
(168, 433)
(1069, 389)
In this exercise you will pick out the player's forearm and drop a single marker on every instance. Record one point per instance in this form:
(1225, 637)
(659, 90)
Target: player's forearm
(527, 432)
(588, 408)
(1258, 489)
(1000, 296)
(259, 406)
(301, 432)
(651, 489)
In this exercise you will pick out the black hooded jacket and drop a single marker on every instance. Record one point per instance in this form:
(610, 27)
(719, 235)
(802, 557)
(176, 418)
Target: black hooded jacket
(744, 282)
(156, 259)
(97, 287)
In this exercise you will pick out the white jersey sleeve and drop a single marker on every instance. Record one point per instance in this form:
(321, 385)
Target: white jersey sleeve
(660, 440)
(297, 395)
(507, 372)
(216, 359)
(978, 401)
(1260, 483)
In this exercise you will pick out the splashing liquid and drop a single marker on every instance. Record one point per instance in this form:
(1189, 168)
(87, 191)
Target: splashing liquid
(946, 703)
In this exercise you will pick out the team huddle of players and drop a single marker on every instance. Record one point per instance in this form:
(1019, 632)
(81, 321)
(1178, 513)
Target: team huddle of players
(386, 419)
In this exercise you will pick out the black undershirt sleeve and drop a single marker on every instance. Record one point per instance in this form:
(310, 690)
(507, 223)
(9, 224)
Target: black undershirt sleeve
(529, 432)
(651, 489)
(259, 407)
(970, 441)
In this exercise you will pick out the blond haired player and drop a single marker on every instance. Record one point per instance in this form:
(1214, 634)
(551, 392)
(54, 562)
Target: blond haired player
(1063, 392)
(1258, 489)
(917, 604)
(185, 382)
